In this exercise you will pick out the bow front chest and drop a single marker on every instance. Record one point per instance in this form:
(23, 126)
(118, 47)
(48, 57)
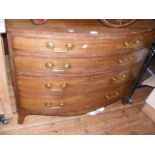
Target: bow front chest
(71, 67)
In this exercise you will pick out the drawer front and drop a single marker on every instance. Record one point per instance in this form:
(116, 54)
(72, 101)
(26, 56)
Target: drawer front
(71, 105)
(77, 46)
(57, 85)
(38, 65)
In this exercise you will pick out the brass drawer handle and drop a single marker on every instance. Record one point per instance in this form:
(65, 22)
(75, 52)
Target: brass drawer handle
(62, 87)
(67, 65)
(135, 44)
(70, 46)
(126, 60)
(123, 76)
(58, 70)
(50, 65)
(131, 58)
(50, 45)
(112, 96)
(120, 61)
(127, 45)
(49, 85)
(50, 105)
(56, 90)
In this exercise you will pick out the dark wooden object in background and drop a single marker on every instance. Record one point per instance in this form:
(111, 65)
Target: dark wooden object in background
(118, 23)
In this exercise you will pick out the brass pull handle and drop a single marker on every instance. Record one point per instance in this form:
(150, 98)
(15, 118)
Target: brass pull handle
(120, 61)
(127, 45)
(62, 87)
(49, 85)
(58, 70)
(112, 96)
(124, 75)
(50, 45)
(56, 90)
(138, 41)
(126, 61)
(131, 58)
(50, 105)
(67, 65)
(120, 78)
(135, 44)
(49, 65)
(70, 46)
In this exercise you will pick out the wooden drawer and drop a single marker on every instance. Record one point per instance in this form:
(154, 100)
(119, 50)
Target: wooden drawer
(38, 65)
(57, 85)
(71, 105)
(76, 46)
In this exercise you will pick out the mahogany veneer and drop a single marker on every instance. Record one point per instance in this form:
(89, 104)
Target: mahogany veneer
(71, 67)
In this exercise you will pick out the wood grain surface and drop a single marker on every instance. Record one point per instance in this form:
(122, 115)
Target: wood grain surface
(77, 48)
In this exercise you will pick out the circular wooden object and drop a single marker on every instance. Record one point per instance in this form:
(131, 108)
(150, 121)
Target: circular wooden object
(117, 23)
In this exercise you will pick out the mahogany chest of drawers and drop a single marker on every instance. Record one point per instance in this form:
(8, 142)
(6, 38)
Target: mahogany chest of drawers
(71, 67)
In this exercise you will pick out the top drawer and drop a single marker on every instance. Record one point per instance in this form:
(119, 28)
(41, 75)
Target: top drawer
(77, 46)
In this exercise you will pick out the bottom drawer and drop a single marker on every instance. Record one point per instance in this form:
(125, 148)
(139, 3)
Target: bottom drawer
(71, 105)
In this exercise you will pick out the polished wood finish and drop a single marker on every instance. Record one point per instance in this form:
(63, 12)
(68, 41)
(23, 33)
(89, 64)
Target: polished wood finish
(75, 104)
(76, 67)
(39, 65)
(79, 46)
(71, 85)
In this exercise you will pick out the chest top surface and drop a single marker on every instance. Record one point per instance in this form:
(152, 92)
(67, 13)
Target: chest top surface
(87, 27)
